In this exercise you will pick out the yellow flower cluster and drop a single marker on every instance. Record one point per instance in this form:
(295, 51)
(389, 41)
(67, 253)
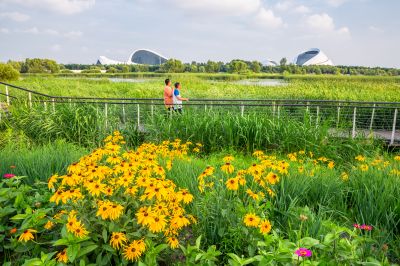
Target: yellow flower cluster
(112, 178)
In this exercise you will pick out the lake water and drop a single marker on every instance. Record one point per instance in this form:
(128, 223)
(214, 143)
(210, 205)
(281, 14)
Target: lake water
(262, 82)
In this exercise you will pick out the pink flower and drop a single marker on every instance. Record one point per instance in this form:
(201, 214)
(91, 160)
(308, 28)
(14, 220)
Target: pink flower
(357, 226)
(303, 252)
(8, 176)
(366, 227)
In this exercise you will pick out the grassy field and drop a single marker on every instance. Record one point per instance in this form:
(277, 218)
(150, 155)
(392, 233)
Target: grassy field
(224, 86)
(305, 186)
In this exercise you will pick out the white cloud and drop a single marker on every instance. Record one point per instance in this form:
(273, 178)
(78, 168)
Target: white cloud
(229, 7)
(302, 9)
(51, 32)
(324, 24)
(16, 16)
(291, 6)
(336, 3)
(321, 22)
(4, 30)
(55, 47)
(267, 18)
(73, 34)
(375, 29)
(67, 7)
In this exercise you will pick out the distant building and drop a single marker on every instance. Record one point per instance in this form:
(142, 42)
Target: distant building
(139, 57)
(270, 63)
(313, 56)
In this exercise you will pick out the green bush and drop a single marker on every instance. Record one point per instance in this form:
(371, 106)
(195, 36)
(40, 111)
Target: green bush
(8, 73)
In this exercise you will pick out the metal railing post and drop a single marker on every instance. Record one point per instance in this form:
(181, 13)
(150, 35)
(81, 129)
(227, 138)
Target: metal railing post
(394, 127)
(30, 99)
(273, 108)
(152, 109)
(279, 112)
(54, 105)
(106, 114)
(372, 118)
(138, 116)
(338, 116)
(242, 110)
(317, 121)
(45, 106)
(123, 113)
(7, 96)
(353, 134)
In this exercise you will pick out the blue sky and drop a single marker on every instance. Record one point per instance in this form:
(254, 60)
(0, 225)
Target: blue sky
(350, 32)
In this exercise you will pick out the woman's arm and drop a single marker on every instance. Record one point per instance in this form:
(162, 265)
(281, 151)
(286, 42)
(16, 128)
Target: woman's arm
(182, 99)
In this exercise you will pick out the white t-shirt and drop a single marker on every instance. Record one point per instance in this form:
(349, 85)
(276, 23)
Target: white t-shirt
(177, 102)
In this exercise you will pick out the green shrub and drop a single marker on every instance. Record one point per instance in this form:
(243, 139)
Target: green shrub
(8, 73)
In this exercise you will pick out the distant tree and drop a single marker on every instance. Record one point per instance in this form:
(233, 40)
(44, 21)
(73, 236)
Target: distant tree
(173, 66)
(283, 62)
(202, 69)
(112, 70)
(15, 64)
(212, 67)
(8, 72)
(238, 66)
(38, 65)
(256, 66)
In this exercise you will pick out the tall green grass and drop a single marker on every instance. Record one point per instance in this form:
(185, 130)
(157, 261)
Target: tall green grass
(211, 86)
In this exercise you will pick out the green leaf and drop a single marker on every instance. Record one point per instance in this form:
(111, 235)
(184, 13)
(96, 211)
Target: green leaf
(85, 250)
(308, 242)
(20, 216)
(104, 235)
(198, 242)
(72, 252)
(61, 242)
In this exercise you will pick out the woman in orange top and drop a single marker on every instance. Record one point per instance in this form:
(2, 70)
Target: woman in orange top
(168, 95)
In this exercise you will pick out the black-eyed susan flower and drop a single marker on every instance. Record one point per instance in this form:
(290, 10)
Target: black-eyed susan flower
(272, 178)
(118, 240)
(134, 250)
(265, 227)
(251, 220)
(232, 184)
(27, 235)
(173, 242)
(158, 224)
(62, 256)
(49, 225)
(228, 168)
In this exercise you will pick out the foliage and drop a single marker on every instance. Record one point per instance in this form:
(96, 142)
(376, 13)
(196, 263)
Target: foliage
(199, 86)
(8, 73)
(172, 66)
(38, 65)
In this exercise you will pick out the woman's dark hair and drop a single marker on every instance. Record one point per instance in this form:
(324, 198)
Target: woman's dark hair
(177, 84)
(167, 81)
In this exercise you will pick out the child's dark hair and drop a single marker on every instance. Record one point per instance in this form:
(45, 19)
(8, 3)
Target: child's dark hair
(177, 84)
(167, 81)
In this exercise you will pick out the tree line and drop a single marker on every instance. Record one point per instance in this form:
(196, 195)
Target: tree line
(237, 66)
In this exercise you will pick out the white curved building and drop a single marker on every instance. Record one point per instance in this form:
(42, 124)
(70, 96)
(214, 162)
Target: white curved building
(138, 57)
(311, 57)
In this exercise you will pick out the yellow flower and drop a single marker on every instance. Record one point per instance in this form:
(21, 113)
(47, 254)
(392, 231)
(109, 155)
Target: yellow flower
(265, 227)
(228, 168)
(258, 153)
(173, 242)
(52, 180)
(145, 216)
(360, 158)
(397, 158)
(80, 231)
(331, 164)
(272, 178)
(117, 240)
(252, 194)
(158, 225)
(49, 225)
(178, 221)
(27, 235)
(228, 159)
(344, 176)
(251, 220)
(62, 256)
(232, 184)
(185, 196)
(364, 167)
(134, 250)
